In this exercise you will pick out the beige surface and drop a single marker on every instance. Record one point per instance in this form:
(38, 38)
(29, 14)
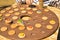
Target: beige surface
(6, 2)
(52, 37)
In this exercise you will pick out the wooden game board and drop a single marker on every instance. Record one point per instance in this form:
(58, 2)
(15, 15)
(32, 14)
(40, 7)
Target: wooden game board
(26, 23)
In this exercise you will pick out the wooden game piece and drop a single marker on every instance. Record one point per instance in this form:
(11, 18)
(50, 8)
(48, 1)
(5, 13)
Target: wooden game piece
(14, 17)
(16, 13)
(44, 18)
(52, 22)
(28, 8)
(2, 11)
(22, 8)
(3, 29)
(7, 21)
(14, 25)
(21, 27)
(7, 15)
(38, 11)
(11, 32)
(38, 25)
(16, 9)
(23, 11)
(49, 27)
(21, 35)
(30, 12)
(14, 6)
(26, 18)
(8, 8)
(11, 11)
(29, 28)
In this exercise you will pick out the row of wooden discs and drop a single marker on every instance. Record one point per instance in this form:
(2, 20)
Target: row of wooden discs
(18, 13)
(21, 27)
(25, 18)
(22, 9)
(8, 12)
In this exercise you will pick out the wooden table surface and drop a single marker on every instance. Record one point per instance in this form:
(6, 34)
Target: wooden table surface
(6, 2)
(52, 37)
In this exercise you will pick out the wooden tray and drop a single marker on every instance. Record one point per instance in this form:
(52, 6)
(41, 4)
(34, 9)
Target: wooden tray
(44, 39)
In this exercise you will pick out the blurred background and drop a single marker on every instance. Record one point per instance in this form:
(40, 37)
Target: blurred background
(5, 3)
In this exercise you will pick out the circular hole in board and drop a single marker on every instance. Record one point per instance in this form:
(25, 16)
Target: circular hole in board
(32, 6)
(25, 17)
